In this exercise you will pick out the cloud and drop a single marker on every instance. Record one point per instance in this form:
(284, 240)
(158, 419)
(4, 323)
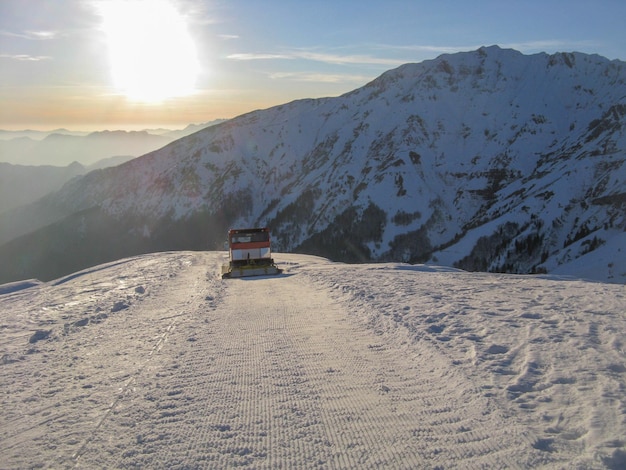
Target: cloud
(339, 59)
(550, 45)
(255, 56)
(543, 45)
(42, 35)
(335, 59)
(427, 48)
(32, 35)
(25, 57)
(396, 55)
(318, 77)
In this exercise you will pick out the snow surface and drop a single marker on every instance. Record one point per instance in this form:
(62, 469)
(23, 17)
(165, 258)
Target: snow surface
(155, 362)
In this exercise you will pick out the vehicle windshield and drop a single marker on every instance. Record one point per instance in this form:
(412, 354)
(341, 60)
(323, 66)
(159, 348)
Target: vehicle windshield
(250, 237)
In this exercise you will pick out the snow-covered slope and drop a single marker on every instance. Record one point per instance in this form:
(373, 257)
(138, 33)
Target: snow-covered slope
(487, 160)
(155, 362)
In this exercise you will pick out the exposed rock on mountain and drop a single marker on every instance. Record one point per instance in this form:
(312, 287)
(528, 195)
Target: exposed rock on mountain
(486, 160)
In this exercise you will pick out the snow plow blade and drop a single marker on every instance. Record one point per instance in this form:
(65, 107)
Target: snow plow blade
(248, 271)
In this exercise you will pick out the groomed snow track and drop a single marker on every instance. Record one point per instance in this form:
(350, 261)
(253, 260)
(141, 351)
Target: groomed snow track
(189, 371)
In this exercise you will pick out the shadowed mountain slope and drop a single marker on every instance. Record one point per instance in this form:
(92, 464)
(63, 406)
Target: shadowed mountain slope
(487, 160)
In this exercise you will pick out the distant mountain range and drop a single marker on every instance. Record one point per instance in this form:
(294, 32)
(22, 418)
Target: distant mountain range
(62, 147)
(487, 160)
(21, 185)
(44, 161)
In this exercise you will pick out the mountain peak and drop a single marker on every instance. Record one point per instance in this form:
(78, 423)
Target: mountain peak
(486, 160)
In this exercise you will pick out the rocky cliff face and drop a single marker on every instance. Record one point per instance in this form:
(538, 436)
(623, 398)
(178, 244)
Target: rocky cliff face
(487, 160)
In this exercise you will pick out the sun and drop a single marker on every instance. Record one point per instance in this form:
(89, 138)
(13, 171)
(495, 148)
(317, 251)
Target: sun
(152, 54)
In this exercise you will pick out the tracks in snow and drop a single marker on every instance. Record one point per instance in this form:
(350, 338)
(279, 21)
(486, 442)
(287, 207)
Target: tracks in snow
(272, 373)
(256, 373)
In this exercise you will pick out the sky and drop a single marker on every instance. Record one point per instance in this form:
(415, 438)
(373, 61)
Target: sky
(135, 64)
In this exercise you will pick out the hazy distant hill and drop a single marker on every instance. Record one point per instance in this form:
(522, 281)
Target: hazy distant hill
(62, 147)
(21, 184)
(36, 135)
(487, 160)
(190, 129)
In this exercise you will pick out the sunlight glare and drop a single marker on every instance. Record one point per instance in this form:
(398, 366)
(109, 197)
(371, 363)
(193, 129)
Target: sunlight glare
(152, 54)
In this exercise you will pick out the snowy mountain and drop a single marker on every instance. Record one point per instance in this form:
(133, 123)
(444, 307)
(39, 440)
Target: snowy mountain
(155, 362)
(487, 160)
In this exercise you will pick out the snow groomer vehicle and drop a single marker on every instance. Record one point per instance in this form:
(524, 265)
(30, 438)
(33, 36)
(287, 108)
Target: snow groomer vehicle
(249, 254)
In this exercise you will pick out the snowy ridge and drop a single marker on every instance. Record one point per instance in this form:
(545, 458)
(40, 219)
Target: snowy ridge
(487, 160)
(155, 362)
